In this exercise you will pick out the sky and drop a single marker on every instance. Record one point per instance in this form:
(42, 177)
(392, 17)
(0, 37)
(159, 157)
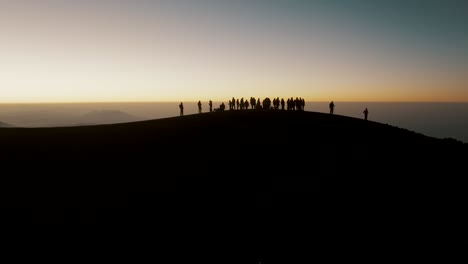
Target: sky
(190, 50)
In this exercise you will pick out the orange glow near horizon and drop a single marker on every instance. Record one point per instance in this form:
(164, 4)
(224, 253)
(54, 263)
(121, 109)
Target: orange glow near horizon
(103, 55)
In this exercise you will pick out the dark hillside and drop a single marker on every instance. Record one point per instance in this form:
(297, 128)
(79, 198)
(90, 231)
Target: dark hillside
(273, 179)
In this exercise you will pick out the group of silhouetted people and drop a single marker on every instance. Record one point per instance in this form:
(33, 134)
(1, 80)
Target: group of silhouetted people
(297, 104)
(275, 104)
(253, 103)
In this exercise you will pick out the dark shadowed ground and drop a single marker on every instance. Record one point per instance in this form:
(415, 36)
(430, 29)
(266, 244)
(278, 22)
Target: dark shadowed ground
(249, 186)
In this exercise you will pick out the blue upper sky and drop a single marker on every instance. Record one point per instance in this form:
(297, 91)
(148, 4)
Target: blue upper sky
(350, 49)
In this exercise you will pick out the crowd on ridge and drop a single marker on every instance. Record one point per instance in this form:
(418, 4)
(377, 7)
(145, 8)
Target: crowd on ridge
(291, 104)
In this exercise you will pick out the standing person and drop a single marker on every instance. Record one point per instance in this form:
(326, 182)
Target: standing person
(199, 107)
(366, 113)
(332, 107)
(211, 105)
(181, 107)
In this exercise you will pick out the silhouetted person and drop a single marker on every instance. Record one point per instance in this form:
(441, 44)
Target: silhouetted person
(181, 107)
(211, 105)
(366, 113)
(199, 107)
(332, 107)
(266, 103)
(253, 102)
(282, 103)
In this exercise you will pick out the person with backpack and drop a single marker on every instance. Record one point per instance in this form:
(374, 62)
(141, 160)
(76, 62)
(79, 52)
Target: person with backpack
(332, 107)
(181, 107)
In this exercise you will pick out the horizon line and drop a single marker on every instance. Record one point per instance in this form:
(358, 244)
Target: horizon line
(195, 101)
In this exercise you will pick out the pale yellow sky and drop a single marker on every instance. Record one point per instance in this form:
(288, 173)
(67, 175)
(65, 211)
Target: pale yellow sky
(122, 54)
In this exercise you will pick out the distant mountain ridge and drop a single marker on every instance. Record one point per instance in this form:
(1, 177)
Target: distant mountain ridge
(33, 119)
(2, 124)
(107, 117)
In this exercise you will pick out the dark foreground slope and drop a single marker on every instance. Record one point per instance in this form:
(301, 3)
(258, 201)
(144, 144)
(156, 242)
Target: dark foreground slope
(269, 179)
